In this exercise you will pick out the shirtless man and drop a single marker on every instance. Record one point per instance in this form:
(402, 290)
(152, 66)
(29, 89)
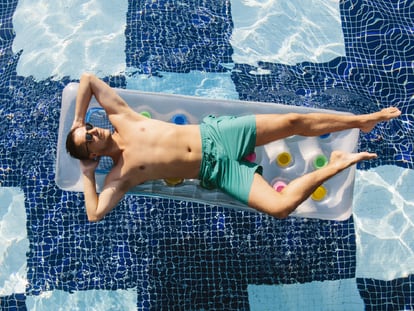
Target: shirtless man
(145, 149)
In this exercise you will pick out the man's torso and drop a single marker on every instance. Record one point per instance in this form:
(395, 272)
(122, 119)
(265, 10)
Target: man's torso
(153, 149)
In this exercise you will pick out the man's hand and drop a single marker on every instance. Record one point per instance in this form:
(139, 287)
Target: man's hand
(89, 166)
(77, 123)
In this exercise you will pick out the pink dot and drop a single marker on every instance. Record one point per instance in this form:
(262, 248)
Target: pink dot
(279, 186)
(251, 157)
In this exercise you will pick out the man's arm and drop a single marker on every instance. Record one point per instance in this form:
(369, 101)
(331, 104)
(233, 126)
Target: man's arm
(98, 206)
(109, 100)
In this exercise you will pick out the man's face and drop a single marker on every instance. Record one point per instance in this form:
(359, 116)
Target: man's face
(91, 139)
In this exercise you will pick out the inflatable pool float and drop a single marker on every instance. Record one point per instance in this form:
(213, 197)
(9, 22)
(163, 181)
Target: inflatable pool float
(282, 160)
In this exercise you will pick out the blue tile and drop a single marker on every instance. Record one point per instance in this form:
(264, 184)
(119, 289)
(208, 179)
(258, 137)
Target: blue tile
(178, 36)
(378, 295)
(14, 302)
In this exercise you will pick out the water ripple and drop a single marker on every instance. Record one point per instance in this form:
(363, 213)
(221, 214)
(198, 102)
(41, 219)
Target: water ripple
(13, 242)
(285, 32)
(384, 213)
(60, 39)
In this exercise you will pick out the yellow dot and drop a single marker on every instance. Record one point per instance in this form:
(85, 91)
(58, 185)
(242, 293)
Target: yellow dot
(284, 159)
(319, 194)
(173, 181)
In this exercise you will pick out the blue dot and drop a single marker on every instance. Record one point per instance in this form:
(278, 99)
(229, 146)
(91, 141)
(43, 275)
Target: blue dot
(179, 119)
(324, 136)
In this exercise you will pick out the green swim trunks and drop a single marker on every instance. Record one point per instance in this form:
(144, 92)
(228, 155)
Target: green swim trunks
(226, 141)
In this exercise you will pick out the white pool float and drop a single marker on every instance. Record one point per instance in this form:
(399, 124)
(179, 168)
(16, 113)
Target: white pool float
(282, 160)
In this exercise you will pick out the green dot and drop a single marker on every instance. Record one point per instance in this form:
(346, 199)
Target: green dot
(320, 161)
(146, 114)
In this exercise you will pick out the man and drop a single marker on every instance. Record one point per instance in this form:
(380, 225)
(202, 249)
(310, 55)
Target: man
(145, 149)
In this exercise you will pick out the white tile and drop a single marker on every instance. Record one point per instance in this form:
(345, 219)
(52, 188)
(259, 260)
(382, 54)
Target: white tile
(103, 300)
(194, 83)
(61, 38)
(341, 295)
(286, 32)
(384, 222)
(13, 242)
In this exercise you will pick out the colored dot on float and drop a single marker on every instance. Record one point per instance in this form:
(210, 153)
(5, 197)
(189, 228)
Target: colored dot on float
(320, 161)
(279, 186)
(319, 194)
(284, 159)
(179, 119)
(324, 136)
(146, 114)
(251, 157)
(173, 181)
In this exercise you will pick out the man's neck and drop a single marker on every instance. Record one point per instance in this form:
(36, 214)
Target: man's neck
(113, 149)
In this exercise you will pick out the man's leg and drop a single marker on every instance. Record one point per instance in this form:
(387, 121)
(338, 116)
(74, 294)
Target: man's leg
(272, 127)
(280, 204)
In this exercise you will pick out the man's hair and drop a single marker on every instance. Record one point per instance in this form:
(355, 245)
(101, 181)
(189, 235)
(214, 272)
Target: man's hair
(74, 150)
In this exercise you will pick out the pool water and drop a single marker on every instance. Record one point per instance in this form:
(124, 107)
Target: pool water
(161, 254)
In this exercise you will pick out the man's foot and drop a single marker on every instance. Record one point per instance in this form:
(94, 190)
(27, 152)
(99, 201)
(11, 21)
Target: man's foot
(344, 160)
(383, 115)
